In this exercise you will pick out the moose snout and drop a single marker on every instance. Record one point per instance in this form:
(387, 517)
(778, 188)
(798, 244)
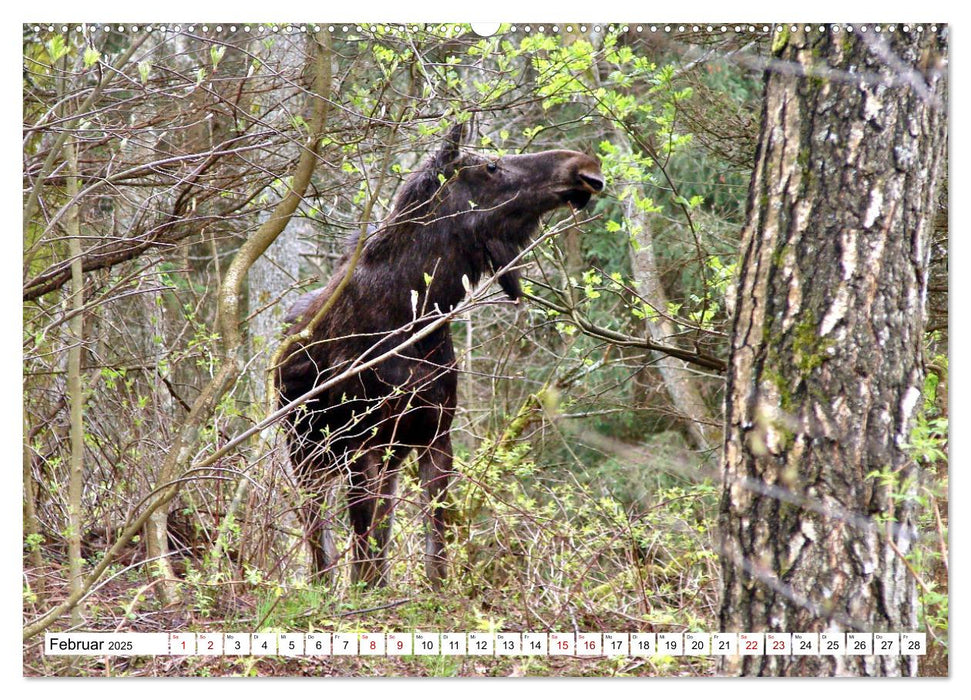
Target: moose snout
(591, 181)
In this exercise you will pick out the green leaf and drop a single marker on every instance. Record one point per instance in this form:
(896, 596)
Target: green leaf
(91, 56)
(56, 47)
(298, 122)
(216, 54)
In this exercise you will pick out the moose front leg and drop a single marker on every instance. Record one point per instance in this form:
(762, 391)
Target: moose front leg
(435, 472)
(316, 514)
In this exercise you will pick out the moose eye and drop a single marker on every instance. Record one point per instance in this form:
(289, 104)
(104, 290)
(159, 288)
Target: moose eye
(492, 167)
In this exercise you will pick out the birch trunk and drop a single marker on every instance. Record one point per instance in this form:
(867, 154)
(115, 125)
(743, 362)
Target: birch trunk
(826, 370)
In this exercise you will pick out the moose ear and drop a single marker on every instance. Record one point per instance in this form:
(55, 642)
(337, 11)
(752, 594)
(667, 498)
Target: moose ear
(457, 133)
(452, 146)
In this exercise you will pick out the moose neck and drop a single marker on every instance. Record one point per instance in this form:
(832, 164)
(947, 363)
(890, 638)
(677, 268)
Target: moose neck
(438, 260)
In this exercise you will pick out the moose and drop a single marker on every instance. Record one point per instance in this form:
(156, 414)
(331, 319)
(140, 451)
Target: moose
(455, 218)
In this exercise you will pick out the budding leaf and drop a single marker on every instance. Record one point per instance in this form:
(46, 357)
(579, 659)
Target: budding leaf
(91, 56)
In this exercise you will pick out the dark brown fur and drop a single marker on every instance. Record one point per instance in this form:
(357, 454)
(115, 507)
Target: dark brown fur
(459, 215)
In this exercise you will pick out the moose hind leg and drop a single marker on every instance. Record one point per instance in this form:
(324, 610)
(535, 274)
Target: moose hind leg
(435, 472)
(371, 502)
(316, 511)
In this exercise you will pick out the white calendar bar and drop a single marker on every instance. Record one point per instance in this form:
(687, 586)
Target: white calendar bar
(579, 644)
(454, 644)
(616, 644)
(724, 644)
(426, 643)
(913, 643)
(236, 644)
(209, 644)
(670, 643)
(263, 644)
(886, 643)
(481, 643)
(859, 644)
(697, 644)
(805, 644)
(509, 644)
(182, 644)
(291, 644)
(371, 644)
(751, 644)
(778, 644)
(832, 643)
(643, 643)
(535, 644)
(399, 644)
(317, 644)
(344, 644)
(562, 644)
(589, 644)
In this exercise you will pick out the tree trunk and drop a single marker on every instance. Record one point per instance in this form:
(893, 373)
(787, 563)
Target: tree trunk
(74, 388)
(681, 384)
(32, 529)
(826, 360)
(228, 316)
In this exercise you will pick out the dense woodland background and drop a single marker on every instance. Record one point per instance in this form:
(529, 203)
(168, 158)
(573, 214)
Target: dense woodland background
(590, 426)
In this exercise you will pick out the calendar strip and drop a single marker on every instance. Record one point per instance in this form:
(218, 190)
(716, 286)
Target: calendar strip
(419, 643)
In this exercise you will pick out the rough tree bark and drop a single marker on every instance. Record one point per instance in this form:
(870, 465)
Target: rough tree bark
(826, 360)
